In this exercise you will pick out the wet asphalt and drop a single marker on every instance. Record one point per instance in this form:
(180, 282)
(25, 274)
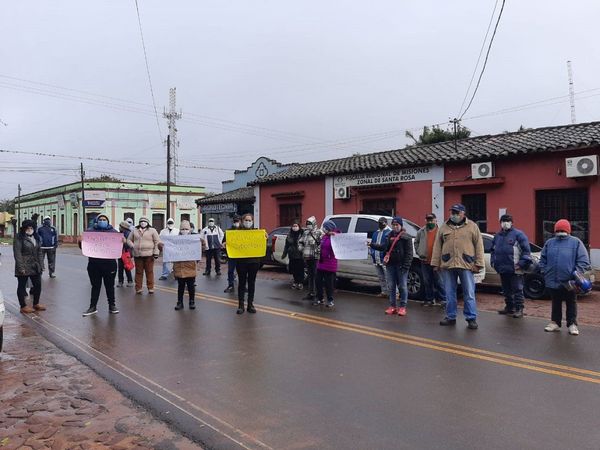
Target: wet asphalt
(297, 376)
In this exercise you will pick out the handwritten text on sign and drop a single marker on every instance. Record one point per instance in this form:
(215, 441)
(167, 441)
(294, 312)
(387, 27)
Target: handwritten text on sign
(246, 243)
(350, 245)
(181, 248)
(102, 245)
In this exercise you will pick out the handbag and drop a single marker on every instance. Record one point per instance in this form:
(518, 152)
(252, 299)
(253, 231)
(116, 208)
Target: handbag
(386, 258)
(127, 260)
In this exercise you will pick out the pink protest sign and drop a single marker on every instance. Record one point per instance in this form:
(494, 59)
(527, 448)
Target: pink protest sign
(102, 245)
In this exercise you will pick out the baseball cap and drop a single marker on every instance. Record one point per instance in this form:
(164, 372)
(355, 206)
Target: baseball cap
(458, 207)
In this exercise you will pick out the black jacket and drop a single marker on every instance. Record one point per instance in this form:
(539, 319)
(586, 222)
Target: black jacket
(402, 253)
(291, 248)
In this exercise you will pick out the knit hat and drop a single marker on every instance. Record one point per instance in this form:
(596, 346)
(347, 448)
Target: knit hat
(124, 224)
(27, 223)
(144, 219)
(329, 225)
(562, 225)
(102, 215)
(398, 220)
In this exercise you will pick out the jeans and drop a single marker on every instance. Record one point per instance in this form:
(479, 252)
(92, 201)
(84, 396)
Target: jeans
(512, 285)
(36, 291)
(99, 272)
(467, 280)
(433, 284)
(230, 272)
(50, 253)
(167, 268)
(246, 275)
(325, 281)
(181, 285)
(380, 270)
(144, 264)
(397, 278)
(210, 255)
(121, 269)
(311, 269)
(297, 270)
(558, 295)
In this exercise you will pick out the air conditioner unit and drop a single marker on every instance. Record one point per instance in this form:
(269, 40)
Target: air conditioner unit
(583, 166)
(342, 192)
(482, 170)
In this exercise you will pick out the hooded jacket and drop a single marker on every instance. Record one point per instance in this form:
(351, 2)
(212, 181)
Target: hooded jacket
(560, 258)
(402, 253)
(310, 242)
(458, 246)
(48, 236)
(143, 242)
(291, 248)
(28, 255)
(213, 239)
(327, 260)
(510, 252)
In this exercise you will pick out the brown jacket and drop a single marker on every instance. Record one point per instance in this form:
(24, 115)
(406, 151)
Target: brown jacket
(458, 246)
(144, 242)
(184, 269)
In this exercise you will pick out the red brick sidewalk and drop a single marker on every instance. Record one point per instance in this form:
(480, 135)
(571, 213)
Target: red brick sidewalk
(49, 400)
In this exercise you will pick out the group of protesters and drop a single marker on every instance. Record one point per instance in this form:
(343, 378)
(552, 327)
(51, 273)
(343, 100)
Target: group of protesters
(448, 253)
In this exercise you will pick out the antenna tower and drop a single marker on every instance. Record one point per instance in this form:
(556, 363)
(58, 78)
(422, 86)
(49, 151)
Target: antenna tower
(571, 92)
(172, 115)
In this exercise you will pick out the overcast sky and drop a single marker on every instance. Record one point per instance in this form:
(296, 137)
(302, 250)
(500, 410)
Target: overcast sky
(295, 81)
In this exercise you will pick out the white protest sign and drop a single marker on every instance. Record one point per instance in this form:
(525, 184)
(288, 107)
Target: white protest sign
(102, 245)
(350, 245)
(181, 248)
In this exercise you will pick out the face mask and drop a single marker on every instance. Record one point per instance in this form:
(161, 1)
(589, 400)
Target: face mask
(455, 218)
(170, 226)
(382, 226)
(248, 224)
(295, 228)
(506, 225)
(29, 232)
(309, 226)
(102, 224)
(184, 231)
(561, 234)
(430, 225)
(211, 224)
(143, 224)
(236, 224)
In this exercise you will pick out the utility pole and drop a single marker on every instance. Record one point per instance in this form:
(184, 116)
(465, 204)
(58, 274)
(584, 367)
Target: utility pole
(168, 176)
(172, 144)
(18, 206)
(571, 92)
(455, 121)
(83, 198)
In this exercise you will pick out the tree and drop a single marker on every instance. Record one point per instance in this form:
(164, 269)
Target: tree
(7, 205)
(105, 177)
(435, 134)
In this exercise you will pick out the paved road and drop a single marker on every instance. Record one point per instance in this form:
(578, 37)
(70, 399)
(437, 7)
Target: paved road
(295, 376)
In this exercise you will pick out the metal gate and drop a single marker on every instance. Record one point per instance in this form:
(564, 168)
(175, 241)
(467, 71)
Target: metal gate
(570, 204)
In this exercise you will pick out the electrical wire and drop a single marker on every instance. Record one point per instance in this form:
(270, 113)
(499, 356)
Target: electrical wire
(487, 55)
(137, 10)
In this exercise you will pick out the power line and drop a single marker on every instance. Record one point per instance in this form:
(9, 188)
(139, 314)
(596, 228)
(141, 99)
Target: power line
(487, 55)
(479, 57)
(137, 10)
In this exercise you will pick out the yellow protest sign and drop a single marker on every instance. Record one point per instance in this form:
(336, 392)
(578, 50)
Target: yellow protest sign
(246, 243)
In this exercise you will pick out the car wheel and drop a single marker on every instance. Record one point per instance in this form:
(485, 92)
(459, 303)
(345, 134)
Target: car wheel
(416, 290)
(1, 337)
(534, 287)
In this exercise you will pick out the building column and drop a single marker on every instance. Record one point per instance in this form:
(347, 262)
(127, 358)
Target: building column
(328, 196)
(257, 206)
(437, 191)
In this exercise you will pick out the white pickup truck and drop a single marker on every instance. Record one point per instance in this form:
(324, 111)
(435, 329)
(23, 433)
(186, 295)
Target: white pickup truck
(363, 269)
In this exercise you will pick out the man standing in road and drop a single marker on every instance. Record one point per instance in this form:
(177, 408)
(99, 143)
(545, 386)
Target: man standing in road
(212, 240)
(379, 238)
(167, 268)
(49, 238)
(458, 253)
(230, 261)
(510, 256)
(432, 280)
(310, 245)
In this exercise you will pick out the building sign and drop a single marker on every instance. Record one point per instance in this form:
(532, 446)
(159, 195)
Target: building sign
(185, 202)
(61, 201)
(157, 201)
(94, 199)
(219, 208)
(73, 199)
(384, 177)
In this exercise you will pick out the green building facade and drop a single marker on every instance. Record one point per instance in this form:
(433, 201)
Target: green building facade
(118, 200)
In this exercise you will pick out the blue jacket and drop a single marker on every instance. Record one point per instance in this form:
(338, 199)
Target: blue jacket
(48, 236)
(509, 249)
(560, 258)
(377, 256)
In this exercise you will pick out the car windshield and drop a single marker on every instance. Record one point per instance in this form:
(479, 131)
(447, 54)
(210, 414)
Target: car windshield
(410, 227)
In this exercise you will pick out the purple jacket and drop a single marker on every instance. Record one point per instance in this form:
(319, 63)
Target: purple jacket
(327, 261)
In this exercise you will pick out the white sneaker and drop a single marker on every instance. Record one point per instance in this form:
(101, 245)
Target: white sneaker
(552, 326)
(573, 330)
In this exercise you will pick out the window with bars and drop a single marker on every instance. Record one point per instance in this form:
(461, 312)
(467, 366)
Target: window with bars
(289, 213)
(476, 206)
(379, 207)
(555, 204)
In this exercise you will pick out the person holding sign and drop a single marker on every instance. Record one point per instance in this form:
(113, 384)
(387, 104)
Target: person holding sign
(327, 266)
(246, 267)
(101, 269)
(397, 259)
(144, 241)
(185, 273)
